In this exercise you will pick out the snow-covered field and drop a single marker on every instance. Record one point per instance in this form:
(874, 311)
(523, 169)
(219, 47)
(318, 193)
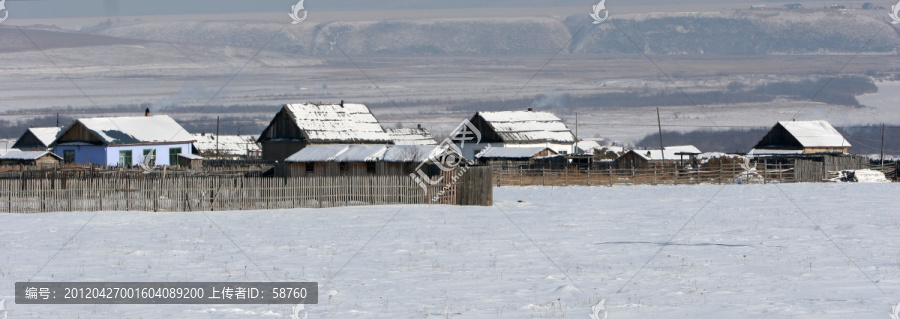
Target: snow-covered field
(737, 251)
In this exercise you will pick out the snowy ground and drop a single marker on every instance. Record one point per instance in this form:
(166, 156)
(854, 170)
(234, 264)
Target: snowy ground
(748, 252)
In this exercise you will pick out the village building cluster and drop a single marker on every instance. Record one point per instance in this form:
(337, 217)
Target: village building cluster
(314, 139)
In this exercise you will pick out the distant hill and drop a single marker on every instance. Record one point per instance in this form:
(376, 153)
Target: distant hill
(739, 33)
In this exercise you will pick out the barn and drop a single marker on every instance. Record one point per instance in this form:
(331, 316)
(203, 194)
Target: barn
(358, 159)
(801, 137)
(297, 125)
(30, 158)
(123, 141)
(526, 129)
(37, 138)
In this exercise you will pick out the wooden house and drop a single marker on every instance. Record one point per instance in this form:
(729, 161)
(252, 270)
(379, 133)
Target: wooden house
(411, 136)
(30, 158)
(358, 159)
(525, 129)
(801, 137)
(299, 125)
(226, 146)
(123, 141)
(37, 138)
(681, 155)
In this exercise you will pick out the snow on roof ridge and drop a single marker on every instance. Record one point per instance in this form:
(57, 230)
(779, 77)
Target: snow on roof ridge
(815, 133)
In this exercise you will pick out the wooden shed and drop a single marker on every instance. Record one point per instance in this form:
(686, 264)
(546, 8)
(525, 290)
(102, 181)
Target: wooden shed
(31, 158)
(299, 125)
(801, 137)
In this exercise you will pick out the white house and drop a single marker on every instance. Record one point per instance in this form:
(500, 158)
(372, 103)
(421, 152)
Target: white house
(518, 129)
(123, 141)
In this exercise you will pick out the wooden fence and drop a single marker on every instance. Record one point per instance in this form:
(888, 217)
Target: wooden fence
(723, 173)
(214, 193)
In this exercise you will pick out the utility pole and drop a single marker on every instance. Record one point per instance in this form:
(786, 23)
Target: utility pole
(217, 137)
(661, 147)
(576, 134)
(882, 146)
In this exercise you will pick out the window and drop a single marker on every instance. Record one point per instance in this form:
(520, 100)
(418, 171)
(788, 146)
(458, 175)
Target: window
(69, 156)
(310, 167)
(149, 157)
(345, 168)
(173, 155)
(370, 168)
(125, 158)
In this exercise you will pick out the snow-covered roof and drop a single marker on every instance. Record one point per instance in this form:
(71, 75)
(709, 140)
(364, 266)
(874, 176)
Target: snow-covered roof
(227, 144)
(762, 151)
(815, 133)
(528, 126)
(363, 153)
(670, 153)
(411, 136)
(26, 155)
(134, 130)
(510, 152)
(190, 156)
(586, 146)
(46, 134)
(349, 122)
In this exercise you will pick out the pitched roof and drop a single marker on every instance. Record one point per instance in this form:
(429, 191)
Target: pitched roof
(411, 136)
(363, 153)
(528, 126)
(227, 144)
(29, 155)
(510, 152)
(815, 133)
(337, 123)
(46, 134)
(134, 130)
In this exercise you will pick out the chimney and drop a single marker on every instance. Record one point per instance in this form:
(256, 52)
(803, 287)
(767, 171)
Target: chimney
(530, 109)
(342, 103)
(147, 112)
(419, 126)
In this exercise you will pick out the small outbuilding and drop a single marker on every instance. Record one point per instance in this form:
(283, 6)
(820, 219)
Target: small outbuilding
(191, 161)
(37, 138)
(801, 137)
(30, 158)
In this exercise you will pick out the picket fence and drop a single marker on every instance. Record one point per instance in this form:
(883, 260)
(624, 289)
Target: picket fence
(213, 193)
